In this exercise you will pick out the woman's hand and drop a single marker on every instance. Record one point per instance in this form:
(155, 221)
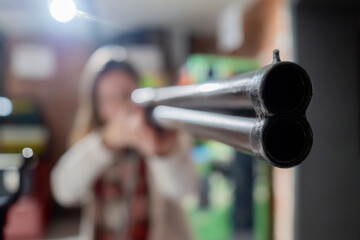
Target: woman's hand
(113, 133)
(129, 128)
(165, 142)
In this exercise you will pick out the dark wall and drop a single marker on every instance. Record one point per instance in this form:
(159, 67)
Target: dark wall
(2, 64)
(328, 182)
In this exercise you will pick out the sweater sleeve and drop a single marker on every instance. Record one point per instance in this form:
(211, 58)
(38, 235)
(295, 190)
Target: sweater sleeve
(77, 170)
(175, 173)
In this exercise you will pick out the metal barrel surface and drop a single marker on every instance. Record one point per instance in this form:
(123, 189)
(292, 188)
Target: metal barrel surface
(278, 88)
(282, 141)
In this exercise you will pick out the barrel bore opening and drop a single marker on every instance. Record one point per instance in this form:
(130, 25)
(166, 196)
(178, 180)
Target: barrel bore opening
(287, 142)
(287, 89)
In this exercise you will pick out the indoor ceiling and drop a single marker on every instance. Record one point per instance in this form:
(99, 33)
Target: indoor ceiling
(199, 15)
(19, 17)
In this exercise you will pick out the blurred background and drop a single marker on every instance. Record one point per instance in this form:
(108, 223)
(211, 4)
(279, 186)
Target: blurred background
(42, 56)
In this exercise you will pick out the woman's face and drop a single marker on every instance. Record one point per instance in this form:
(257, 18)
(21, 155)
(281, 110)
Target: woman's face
(113, 94)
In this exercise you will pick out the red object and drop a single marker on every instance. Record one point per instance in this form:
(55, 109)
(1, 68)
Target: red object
(24, 220)
(27, 218)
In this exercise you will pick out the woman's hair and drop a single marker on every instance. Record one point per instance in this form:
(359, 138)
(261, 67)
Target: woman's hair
(102, 61)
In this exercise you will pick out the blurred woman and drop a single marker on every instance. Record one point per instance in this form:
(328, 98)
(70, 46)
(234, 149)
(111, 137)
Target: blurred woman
(129, 176)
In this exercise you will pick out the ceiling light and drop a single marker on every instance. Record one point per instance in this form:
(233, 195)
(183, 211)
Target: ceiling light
(63, 10)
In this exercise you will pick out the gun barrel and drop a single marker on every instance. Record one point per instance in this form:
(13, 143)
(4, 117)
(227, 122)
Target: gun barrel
(278, 94)
(278, 88)
(282, 141)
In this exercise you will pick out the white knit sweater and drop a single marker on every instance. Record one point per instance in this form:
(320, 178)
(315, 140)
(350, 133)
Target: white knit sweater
(170, 179)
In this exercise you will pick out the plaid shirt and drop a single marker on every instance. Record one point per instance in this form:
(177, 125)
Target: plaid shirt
(122, 200)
